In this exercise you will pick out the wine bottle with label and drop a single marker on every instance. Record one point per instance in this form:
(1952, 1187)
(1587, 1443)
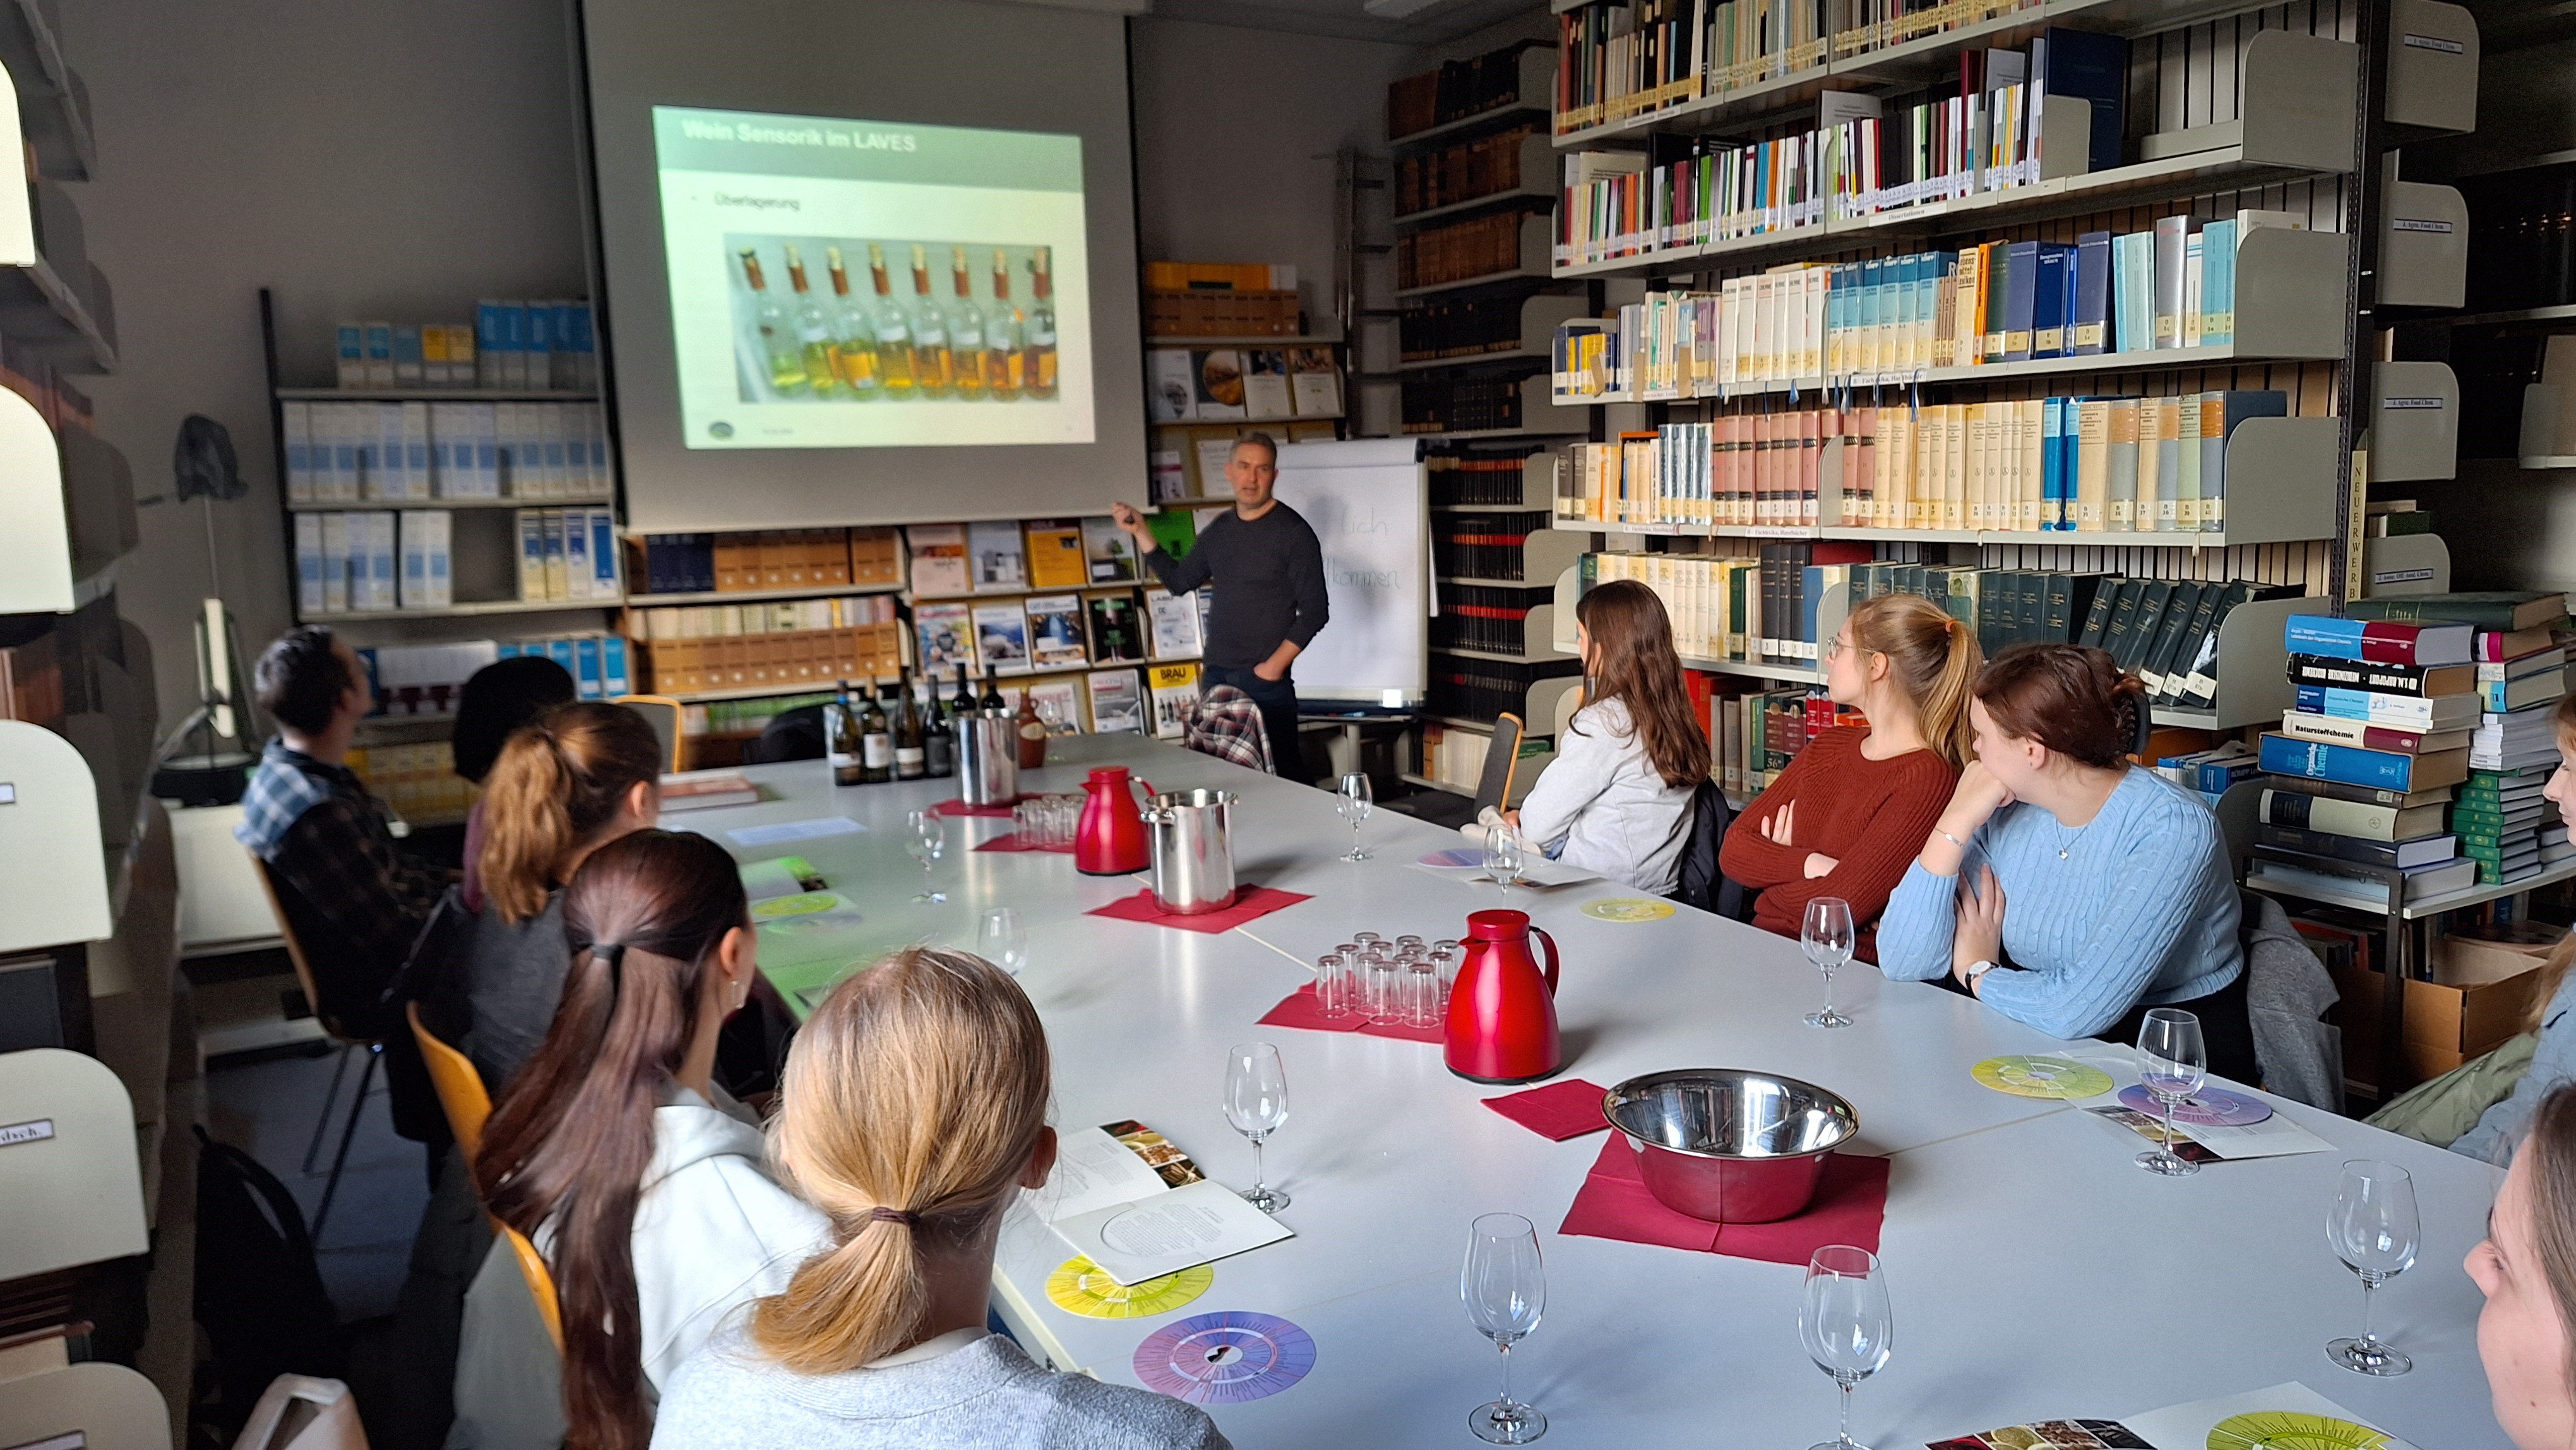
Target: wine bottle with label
(1003, 358)
(841, 745)
(892, 330)
(813, 330)
(876, 740)
(854, 351)
(939, 746)
(777, 333)
(932, 369)
(911, 752)
(1033, 733)
(965, 329)
(1037, 371)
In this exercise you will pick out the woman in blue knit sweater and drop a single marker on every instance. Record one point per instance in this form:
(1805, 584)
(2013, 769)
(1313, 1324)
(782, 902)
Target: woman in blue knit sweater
(2065, 887)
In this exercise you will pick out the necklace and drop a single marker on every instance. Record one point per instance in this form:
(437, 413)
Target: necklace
(2066, 838)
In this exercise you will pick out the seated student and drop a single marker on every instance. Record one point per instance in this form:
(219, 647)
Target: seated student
(496, 701)
(354, 903)
(1617, 798)
(572, 781)
(2065, 887)
(914, 1111)
(1845, 817)
(2526, 1268)
(2553, 1003)
(614, 1151)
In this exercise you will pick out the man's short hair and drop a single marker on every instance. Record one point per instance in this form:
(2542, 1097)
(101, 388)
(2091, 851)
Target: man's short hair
(1257, 440)
(299, 678)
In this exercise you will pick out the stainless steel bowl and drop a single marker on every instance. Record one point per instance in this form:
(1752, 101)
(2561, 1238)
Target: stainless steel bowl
(1728, 1145)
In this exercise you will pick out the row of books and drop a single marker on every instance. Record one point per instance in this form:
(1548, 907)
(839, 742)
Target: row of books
(1461, 404)
(1454, 756)
(1225, 384)
(1061, 631)
(771, 658)
(1482, 617)
(1463, 328)
(360, 562)
(1483, 546)
(766, 559)
(1995, 302)
(1754, 734)
(1486, 476)
(1004, 554)
(724, 621)
(2522, 240)
(417, 779)
(1458, 251)
(529, 345)
(1462, 171)
(1457, 90)
(1472, 689)
(1982, 130)
(413, 680)
(2058, 464)
(406, 452)
(568, 554)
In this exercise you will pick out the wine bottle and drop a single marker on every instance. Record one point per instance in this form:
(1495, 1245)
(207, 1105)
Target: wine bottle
(777, 334)
(911, 752)
(939, 747)
(841, 745)
(964, 706)
(876, 740)
(1037, 374)
(893, 332)
(1002, 355)
(966, 329)
(1033, 732)
(854, 353)
(993, 704)
(932, 369)
(813, 330)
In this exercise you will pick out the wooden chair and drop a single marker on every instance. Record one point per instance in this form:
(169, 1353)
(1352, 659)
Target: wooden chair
(1502, 761)
(348, 1042)
(461, 1095)
(663, 714)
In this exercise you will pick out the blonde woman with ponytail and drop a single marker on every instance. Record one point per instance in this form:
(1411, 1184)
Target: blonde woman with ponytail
(913, 1113)
(566, 784)
(1847, 815)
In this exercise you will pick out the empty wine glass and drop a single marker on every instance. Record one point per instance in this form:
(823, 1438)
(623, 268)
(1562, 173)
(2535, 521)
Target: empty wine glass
(1505, 1289)
(2172, 1064)
(1256, 1103)
(1001, 939)
(929, 837)
(1353, 805)
(1827, 939)
(1845, 1324)
(2371, 1226)
(1505, 854)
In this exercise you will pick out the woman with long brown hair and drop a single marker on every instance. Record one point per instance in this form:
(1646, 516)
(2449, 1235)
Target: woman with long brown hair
(2553, 1000)
(1617, 798)
(2526, 1267)
(1845, 817)
(913, 1113)
(614, 1151)
(566, 784)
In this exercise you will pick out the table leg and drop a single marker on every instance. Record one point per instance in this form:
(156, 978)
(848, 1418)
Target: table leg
(2402, 946)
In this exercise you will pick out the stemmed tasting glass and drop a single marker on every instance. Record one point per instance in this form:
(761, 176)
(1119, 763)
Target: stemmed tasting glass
(1845, 1324)
(1505, 854)
(2371, 1226)
(1827, 939)
(1256, 1103)
(929, 839)
(1505, 1289)
(1001, 938)
(1353, 805)
(2172, 1064)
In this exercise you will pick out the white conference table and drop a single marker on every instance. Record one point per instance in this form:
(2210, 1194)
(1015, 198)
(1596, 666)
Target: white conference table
(2034, 1272)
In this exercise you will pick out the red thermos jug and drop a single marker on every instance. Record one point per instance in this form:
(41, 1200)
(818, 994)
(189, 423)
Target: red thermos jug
(1110, 838)
(1502, 1009)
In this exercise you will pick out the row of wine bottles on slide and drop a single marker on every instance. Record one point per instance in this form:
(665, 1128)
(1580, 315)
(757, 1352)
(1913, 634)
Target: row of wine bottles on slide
(854, 347)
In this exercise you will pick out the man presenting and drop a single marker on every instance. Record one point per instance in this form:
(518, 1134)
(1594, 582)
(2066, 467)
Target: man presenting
(1269, 576)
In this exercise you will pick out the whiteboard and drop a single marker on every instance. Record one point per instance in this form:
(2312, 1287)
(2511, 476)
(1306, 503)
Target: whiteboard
(1368, 500)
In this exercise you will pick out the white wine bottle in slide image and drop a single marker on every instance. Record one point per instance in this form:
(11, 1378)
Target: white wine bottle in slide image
(769, 320)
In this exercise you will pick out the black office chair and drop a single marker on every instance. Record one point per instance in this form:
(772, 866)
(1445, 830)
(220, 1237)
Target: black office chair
(1703, 884)
(794, 735)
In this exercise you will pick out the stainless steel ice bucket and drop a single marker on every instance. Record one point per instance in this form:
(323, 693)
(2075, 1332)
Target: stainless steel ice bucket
(1193, 850)
(988, 760)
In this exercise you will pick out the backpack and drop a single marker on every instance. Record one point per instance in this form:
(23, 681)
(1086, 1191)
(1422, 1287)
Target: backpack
(259, 1296)
(1703, 884)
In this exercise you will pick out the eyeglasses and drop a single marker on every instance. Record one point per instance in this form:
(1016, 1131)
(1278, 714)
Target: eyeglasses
(1835, 650)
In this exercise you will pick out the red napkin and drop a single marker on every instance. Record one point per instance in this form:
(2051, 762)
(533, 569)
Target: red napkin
(1298, 1009)
(1560, 1110)
(1249, 902)
(1014, 841)
(958, 807)
(1613, 1203)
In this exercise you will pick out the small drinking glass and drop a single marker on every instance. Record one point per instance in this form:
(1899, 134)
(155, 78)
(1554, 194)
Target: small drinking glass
(1363, 939)
(1408, 943)
(1353, 804)
(1067, 813)
(2372, 1227)
(1845, 1324)
(1337, 986)
(929, 837)
(1385, 980)
(1505, 854)
(1026, 817)
(1421, 992)
(1256, 1103)
(1827, 940)
(2172, 1064)
(1504, 1285)
(1001, 939)
(1446, 954)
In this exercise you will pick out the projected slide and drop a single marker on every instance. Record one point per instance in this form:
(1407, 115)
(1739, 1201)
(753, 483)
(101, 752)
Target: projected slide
(859, 284)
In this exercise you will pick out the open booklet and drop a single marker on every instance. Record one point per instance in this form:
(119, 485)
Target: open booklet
(1134, 1204)
(2274, 1137)
(2286, 1414)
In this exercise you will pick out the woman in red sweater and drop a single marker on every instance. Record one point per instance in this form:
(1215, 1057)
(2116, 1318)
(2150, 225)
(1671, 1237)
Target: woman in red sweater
(1854, 806)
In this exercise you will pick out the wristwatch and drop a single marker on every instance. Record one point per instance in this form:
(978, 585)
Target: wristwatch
(1977, 970)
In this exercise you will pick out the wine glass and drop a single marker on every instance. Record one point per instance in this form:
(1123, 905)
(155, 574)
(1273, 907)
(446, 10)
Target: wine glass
(1256, 1103)
(1827, 939)
(2172, 1064)
(929, 837)
(1844, 1322)
(1353, 804)
(1505, 854)
(2371, 1226)
(1001, 938)
(1505, 1289)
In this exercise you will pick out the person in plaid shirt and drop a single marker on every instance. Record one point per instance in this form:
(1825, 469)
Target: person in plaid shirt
(356, 905)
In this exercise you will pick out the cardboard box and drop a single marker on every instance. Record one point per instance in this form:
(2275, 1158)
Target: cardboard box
(2480, 996)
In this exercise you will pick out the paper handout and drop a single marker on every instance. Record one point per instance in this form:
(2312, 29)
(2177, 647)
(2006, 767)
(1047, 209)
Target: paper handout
(1138, 1207)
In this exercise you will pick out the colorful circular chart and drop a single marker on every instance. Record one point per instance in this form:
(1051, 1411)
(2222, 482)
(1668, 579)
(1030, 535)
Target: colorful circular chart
(2041, 1077)
(1224, 1359)
(2207, 1108)
(1079, 1286)
(2292, 1430)
(802, 904)
(1627, 908)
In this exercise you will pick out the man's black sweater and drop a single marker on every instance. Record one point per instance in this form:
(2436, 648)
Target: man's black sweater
(1269, 575)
